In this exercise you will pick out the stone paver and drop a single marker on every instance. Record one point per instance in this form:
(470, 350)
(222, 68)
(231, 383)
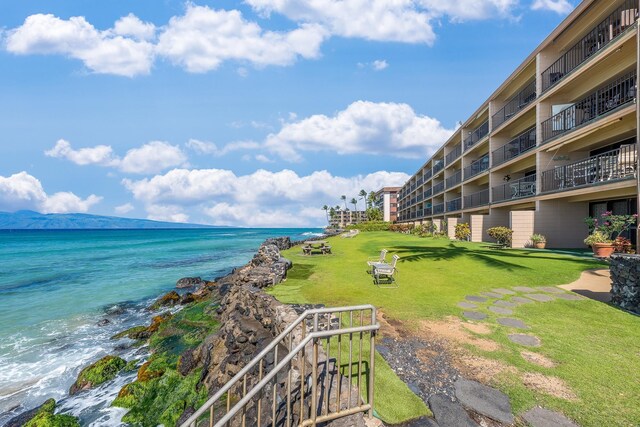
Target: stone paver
(474, 315)
(492, 294)
(551, 290)
(527, 340)
(570, 297)
(501, 310)
(448, 413)
(541, 417)
(540, 297)
(475, 298)
(521, 300)
(484, 400)
(505, 304)
(465, 304)
(523, 289)
(512, 323)
(504, 291)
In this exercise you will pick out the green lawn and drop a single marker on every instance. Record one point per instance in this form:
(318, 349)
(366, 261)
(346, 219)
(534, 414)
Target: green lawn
(597, 347)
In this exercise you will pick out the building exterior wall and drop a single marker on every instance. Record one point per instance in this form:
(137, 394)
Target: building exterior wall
(523, 225)
(562, 223)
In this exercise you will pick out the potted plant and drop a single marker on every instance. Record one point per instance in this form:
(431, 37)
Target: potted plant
(600, 243)
(605, 231)
(539, 241)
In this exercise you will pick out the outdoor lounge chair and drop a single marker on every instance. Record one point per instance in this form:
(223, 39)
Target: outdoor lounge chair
(306, 250)
(386, 273)
(380, 260)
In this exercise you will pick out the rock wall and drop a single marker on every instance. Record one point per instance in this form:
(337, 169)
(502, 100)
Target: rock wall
(625, 278)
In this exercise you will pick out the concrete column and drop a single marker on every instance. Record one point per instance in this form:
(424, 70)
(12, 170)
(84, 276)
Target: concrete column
(438, 224)
(476, 223)
(522, 224)
(451, 225)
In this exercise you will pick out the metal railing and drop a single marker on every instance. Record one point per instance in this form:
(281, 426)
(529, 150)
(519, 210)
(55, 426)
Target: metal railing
(413, 215)
(428, 174)
(454, 205)
(614, 165)
(476, 135)
(427, 211)
(438, 209)
(515, 104)
(512, 149)
(427, 192)
(518, 189)
(606, 99)
(454, 179)
(453, 154)
(245, 400)
(477, 167)
(420, 213)
(599, 37)
(474, 200)
(438, 165)
(438, 188)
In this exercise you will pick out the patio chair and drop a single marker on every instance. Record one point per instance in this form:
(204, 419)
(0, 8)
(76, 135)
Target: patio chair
(306, 250)
(380, 260)
(326, 249)
(627, 161)
(386, 273)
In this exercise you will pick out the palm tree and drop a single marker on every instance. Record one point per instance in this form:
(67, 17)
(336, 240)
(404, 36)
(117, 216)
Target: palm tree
(362, 195)
(344, 199)
(325, 208)
(372, 198)
(354, 202)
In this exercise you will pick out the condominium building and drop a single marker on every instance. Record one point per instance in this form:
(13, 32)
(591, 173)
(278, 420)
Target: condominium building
(555, 143)
(342, 218)
(386, 200)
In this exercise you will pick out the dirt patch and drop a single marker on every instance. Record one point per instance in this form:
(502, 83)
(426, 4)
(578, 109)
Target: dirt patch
(552, 386)
(538, 359)
(425, 355)
(454, 329)
(389, 328)
(477, 328)
(480, 368)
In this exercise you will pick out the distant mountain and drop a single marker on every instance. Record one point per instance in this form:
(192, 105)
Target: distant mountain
(30, 220)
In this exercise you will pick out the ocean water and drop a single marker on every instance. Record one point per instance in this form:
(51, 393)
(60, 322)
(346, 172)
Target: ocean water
(55, 286)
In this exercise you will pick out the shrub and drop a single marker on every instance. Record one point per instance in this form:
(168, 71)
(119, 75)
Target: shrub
(370, 226)
(401, 228)
(538, 238)
(502, 235)
(597, 237)
(623, 245)
(463, 231)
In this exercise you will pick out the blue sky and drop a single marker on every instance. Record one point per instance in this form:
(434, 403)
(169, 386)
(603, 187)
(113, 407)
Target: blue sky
(241, 113)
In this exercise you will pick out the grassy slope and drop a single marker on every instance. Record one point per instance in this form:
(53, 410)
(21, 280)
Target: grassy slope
(596, 345)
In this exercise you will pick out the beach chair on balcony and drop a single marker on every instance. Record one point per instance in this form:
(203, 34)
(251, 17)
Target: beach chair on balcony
(627, 161)
(386, 274)
(379, 260)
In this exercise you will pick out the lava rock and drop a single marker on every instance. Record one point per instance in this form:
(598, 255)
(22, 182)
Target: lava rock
(190, 282)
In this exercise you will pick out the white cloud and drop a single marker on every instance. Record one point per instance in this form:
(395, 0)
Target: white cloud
(468, 10)
(107, 52)
(24, 191)
(123, 209)
(263, 159)
(166, 213)
(152, 157)
(206, 147)
(262, 198)
(380, 65)
(363, 127)
(131, 25)
(561, 7)
(203, 38)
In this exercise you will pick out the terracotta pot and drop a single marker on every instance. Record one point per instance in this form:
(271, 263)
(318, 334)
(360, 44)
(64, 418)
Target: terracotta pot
(540, 245)
(602, 250)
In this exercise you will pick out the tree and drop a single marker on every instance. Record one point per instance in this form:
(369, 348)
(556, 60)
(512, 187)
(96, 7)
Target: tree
(344, 199)
(325, 208)
(374, 214)
(363, 196)
(354, 202)
(372, 199)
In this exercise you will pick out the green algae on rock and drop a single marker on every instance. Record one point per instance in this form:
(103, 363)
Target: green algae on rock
(44, 417)
(97, 373)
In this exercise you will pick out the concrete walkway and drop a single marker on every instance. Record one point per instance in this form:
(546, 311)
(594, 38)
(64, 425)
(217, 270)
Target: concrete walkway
(593, 284)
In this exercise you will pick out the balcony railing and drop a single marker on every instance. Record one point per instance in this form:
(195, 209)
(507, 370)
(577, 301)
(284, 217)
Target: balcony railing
(420, 197)
(438, 188)
(599, 37)
(454, 179)
(427, 192)
(438, 209)
(476, 135)
(454, 154)
(515, 104)
(420, 213)
(606, 99)
(614, 165)
(413, 215)
(518, 189)
(454, 205)
(512, 149)
(477, 167)
(480, 198)
(428, 174)
(438, 166)
(419, 181)
(427, 211)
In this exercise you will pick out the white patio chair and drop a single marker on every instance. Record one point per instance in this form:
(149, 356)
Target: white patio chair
(379, 260)
(386, 273)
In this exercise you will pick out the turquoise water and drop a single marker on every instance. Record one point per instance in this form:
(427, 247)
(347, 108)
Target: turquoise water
(55, 286)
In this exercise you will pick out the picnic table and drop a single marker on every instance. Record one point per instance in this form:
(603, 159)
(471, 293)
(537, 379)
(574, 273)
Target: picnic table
(316, 246)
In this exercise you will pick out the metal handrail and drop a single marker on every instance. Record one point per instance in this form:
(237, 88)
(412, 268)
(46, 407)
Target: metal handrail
(240, 377)
(515, 104)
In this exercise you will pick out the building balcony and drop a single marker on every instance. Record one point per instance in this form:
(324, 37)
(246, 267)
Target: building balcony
(515, 104)
(477, 167)
(427, 193)
(481, 198)
(454, 205)
(419, 181)
(608, 98)
(428, 174)
(454, 179)
(438, 165)
(517, 189)
(438, 188)
(597, 39)
(454, 154)
(420, 197)
(476, 135)
(614, 165)
(438, 209)
(420, 213)
(512, 149)
(427, 211)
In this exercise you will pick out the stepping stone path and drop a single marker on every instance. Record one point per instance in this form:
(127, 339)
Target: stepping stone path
(505, 304)
(474, 315)
(448, 413)
(527, 340)
(500, 310)
(540, 297)
(484, 400)
(465, 304)
(571, 297)
(552, 290)
(504, 291)
(492, 294)
(513, 323)
(475, 298)
(541, 417)
(523, 289)
(522, 300)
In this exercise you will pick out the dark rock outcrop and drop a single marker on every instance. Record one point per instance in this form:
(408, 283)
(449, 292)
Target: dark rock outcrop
(167, 300)
(43, 415)
(190, 282)
(97, 373)
(625, 281)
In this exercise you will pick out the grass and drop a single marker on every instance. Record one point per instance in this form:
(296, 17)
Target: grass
(595, 345)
